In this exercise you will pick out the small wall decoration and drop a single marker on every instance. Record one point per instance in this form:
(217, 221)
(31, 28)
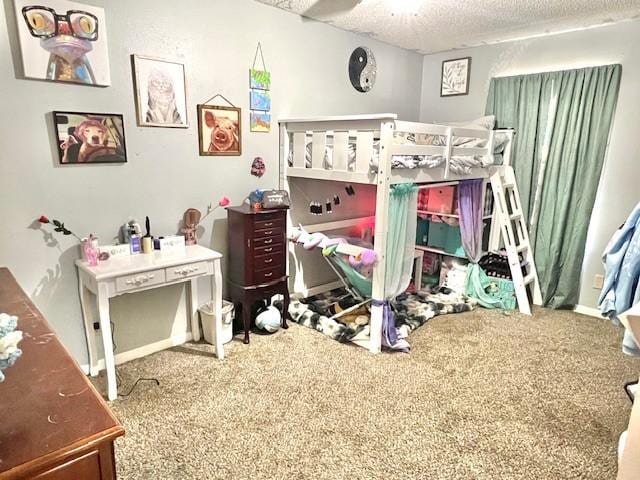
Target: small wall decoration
(260, 121)
(90, 137)
(63, 41)
(219, 129)
(260, 100)
(258, 167)
(259, 79)
(362, 69)
(259, 96)
(161, 94)
(455, 77)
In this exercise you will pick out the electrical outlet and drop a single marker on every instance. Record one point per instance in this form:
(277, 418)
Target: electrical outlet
(598, 281)
(96, 326)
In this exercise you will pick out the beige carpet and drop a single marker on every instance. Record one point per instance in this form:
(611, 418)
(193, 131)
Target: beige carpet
(482, 396)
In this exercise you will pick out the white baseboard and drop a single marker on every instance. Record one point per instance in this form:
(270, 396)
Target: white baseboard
(592, 312)
(143, 351)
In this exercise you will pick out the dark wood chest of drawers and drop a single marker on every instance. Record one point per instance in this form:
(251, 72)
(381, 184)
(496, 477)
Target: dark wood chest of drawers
(257, 257)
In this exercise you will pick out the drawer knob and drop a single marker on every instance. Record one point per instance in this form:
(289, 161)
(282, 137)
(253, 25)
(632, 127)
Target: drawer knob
(267, 242)
(269, 232)
(268, 249)
(268, 274)
(270, 224)
(269, 260)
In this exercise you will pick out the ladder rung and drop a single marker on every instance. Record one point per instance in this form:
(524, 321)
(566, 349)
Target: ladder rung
(529, 278)
(508, 185)
(515, 216)
(522, 248)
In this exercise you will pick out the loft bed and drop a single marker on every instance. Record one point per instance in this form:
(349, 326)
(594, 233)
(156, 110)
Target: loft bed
(382, 151)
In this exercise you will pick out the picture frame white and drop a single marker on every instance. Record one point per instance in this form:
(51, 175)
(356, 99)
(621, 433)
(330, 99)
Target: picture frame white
(160, 92)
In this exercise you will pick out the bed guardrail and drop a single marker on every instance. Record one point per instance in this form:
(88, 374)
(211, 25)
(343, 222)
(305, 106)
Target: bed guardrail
(348, 148)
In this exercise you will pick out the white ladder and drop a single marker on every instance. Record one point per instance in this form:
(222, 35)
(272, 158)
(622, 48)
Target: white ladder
(509, 218)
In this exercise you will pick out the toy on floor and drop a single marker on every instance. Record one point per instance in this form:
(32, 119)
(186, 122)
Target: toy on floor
(268, 318)
(9, 339)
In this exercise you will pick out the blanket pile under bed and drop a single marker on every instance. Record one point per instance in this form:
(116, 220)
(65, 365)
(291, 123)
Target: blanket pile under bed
(412, 311)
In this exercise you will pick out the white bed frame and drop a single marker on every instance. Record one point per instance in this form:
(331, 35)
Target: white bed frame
(364, 129)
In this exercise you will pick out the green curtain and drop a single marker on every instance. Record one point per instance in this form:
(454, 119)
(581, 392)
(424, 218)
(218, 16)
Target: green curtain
(401, 238)
(562, 121)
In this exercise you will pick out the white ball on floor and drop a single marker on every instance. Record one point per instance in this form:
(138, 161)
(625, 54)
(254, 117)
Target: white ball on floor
(269, 320)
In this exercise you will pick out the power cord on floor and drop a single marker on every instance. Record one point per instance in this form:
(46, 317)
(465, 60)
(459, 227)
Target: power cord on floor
(118, 380)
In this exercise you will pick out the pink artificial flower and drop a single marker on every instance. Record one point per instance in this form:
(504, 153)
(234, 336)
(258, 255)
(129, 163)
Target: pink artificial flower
(43, 219)
(224, 201)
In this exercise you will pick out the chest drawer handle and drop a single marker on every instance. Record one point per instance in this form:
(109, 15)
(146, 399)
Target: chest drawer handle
(270, 224)
(186, 270)
(140, 279)
(267, 242)
(268, 249)
(269, 232)
(269, 260)
(268, 274)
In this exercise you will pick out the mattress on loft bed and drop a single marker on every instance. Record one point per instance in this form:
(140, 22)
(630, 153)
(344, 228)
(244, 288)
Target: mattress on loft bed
(460, 165)
(412, 311)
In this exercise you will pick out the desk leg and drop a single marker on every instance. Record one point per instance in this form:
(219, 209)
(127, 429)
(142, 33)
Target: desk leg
(107, 342)
(192, 290)
(216, 294)
(88, 317)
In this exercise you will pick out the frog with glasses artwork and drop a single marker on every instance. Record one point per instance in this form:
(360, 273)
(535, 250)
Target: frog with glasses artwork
(67, 35)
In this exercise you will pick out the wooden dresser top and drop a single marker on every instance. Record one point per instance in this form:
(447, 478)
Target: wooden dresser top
(49, 407)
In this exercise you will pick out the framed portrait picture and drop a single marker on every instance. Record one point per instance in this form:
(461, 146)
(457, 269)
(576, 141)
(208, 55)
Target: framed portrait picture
(63, 41)
(219, 130)
(161, 92)
(84, 138)
(455, 77)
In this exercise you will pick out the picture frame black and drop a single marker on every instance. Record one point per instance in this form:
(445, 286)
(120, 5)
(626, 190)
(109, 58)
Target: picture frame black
(452, 82)
(84, 138)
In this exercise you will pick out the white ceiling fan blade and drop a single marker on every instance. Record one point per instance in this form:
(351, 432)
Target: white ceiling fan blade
(330, 8)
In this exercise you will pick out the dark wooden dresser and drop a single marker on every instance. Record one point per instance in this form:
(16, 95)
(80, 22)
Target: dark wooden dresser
(54, 425)
(257, 259)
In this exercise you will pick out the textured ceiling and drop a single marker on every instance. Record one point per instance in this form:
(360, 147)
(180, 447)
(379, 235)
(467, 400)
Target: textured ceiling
(441, 25)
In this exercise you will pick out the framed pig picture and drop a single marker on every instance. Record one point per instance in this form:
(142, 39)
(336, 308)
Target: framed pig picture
(161, 92)
(87, 138)
(219, 130)
(63, 41)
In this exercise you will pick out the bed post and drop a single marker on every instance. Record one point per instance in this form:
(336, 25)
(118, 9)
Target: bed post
(383, 185)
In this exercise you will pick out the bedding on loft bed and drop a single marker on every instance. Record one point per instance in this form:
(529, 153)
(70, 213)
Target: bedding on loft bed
(460, 165)
(412, 311)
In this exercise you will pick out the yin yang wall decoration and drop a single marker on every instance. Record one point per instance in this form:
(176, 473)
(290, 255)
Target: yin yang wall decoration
(362, 69)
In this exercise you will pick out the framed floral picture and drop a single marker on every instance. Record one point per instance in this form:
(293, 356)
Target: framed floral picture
(455, 77)
(219, 131)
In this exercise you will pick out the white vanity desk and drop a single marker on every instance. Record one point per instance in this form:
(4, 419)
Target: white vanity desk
(135, 273)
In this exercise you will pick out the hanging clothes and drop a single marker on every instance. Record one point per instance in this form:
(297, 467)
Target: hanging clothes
(621, 288)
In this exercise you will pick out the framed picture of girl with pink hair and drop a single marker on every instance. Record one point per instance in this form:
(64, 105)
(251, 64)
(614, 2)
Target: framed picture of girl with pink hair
(84, 138)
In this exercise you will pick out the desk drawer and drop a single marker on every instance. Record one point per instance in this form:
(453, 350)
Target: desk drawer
(269, 274)
(186, 271)
(268, 249)
(268, 242)
(269, 232)
(269, 260)
(137, 280)
(266, 224)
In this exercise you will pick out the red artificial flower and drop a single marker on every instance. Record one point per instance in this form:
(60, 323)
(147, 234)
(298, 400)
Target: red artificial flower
(224, 201)
(43, 219)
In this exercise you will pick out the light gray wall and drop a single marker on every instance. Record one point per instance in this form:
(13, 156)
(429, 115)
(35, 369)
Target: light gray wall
(618, 191)
(216, 40)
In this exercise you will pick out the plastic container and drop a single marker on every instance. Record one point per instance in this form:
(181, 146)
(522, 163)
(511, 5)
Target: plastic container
(441, 199)
(422, 231)
(207, 317)
(438, 232)
(453, 242)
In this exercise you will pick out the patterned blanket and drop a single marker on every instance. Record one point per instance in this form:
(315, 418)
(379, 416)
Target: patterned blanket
(412, 311)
